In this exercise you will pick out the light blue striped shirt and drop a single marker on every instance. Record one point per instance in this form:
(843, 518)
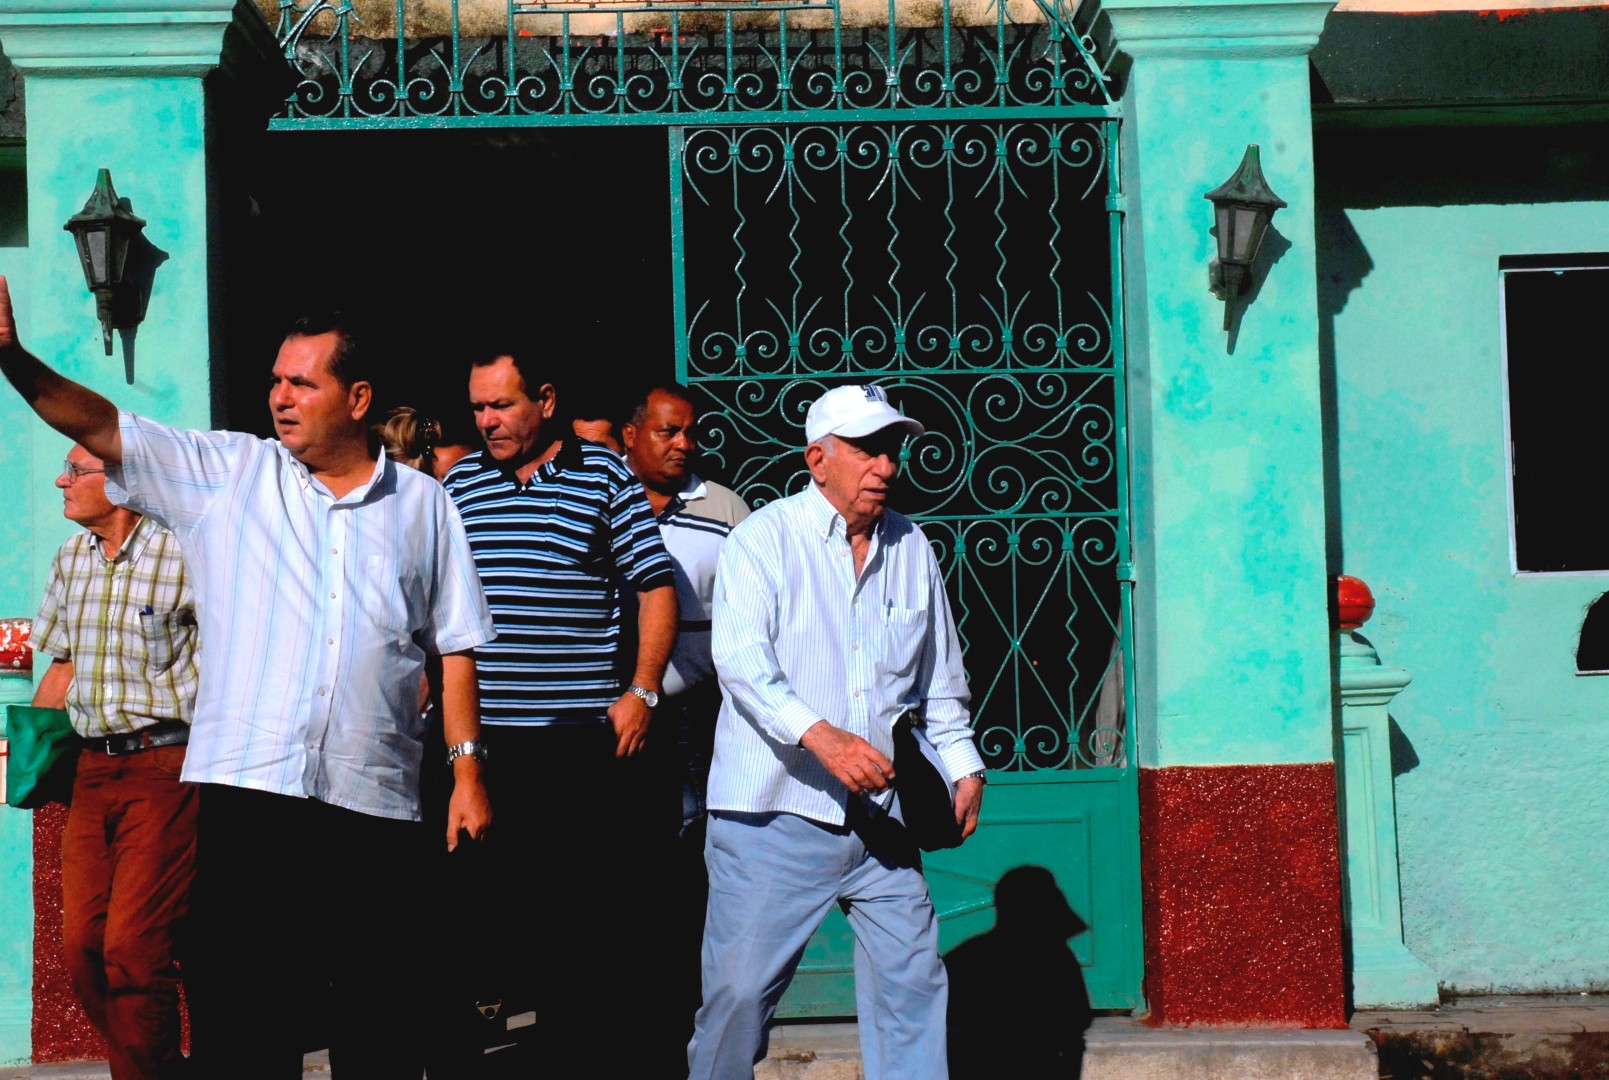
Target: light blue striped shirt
(796, 639)
(315, 613)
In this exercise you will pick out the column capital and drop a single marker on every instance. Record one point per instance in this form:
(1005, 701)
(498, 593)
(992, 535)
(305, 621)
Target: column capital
(1216, 29)
(131, 37)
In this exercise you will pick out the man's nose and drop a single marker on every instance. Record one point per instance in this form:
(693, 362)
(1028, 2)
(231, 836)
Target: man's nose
(887, 464)
(683, 440)
(62, 479)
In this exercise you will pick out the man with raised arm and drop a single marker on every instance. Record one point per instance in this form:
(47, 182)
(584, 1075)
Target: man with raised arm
(831, 624)
(323, 574)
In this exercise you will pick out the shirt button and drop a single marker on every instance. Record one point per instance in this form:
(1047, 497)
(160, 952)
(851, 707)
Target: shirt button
(335, 551)
(855, 647)
(332, 596)
(321, 691)
(856, 694)
(331, 641)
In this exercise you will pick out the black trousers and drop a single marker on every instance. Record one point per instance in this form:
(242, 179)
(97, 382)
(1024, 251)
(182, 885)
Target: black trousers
(569, 898)
(307, 931)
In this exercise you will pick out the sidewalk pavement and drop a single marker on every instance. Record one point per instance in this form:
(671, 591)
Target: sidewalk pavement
(1539, 1037)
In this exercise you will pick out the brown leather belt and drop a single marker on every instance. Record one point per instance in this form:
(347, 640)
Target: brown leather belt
(168, 733)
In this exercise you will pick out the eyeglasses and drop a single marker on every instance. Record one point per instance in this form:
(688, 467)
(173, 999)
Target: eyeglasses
(74, 472)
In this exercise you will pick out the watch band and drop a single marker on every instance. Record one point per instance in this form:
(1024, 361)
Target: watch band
(476, 750)
(980, 776)
(650, 698)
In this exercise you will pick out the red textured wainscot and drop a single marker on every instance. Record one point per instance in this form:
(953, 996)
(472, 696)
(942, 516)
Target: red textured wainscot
(1242, 888)
(61, 1028)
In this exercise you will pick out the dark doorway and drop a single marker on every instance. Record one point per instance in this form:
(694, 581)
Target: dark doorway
(557, 238)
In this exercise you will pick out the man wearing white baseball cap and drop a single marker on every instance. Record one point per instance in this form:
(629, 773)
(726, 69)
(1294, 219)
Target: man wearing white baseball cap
(830, 624)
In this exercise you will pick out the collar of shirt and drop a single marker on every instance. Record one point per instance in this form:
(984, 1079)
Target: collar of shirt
(569, 456)
(308, 481)
(133, 544)
(826, 519)
(691, 492)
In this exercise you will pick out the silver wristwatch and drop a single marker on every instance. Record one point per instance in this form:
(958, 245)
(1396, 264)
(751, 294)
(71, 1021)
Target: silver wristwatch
(649, 697)
(980, 776)
(476, 750)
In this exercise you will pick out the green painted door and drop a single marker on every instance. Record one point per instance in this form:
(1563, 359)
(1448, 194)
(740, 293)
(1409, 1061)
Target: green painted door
(968, 266)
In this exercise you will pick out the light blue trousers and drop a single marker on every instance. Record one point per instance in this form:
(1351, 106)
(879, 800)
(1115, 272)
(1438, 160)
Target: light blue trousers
(773, 878)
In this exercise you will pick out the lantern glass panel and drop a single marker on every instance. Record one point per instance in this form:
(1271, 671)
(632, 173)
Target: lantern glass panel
(1247, 233)
(95, 249)
(120, 245)
(1226, 234)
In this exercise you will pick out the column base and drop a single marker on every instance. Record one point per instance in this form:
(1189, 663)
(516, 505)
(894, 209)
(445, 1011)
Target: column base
(1385, 975)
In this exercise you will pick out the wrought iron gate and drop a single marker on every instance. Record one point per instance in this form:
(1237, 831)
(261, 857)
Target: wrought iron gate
(932, 203)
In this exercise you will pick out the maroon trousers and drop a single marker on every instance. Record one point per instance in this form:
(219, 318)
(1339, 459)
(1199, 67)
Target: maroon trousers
(127, 861)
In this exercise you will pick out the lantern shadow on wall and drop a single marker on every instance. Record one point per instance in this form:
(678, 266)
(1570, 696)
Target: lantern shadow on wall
(1243, 209)
(119, 264)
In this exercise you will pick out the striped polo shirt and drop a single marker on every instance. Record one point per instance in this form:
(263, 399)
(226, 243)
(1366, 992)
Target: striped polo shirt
(552, 554)
(693, 525)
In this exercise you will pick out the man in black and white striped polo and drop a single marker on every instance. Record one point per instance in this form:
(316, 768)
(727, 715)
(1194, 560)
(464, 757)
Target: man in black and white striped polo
(558, 527)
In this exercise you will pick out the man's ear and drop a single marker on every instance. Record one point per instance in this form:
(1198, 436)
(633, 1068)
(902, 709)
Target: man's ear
(628, 435)
(548, 398)
(360, 396)
(816, 461)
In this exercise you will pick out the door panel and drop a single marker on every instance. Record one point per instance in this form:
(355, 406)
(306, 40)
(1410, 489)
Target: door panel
(969, 267)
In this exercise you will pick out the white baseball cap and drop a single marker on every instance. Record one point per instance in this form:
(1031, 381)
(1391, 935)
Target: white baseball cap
(855, 411)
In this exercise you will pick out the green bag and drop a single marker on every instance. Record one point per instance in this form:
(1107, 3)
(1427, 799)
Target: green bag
(42, 755)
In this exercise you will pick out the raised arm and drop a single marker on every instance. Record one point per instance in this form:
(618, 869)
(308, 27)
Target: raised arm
(76, 411)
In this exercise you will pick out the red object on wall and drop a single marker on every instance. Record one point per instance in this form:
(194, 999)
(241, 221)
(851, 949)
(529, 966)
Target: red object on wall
(1354, 603)
(1241, 880)
(61, 1028)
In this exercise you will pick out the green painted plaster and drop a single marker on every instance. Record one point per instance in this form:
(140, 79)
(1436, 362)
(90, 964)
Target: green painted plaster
(1232, 638)
(1501, 800)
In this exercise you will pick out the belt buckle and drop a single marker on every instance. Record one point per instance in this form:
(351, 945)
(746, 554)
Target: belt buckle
(123, 745)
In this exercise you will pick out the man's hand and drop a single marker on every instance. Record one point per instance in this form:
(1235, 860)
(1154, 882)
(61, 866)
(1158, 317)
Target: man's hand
(968, 801)
(855, 762)
(470, 808)
(630, 717)
(8, 323)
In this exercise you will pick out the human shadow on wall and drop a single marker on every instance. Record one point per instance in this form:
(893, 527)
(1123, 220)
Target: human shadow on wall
(1018, 1003)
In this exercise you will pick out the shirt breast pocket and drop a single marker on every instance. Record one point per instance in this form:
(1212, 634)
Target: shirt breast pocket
(904, 631)
(392, 596)
(167, 635)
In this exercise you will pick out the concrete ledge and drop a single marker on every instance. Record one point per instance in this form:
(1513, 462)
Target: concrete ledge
(1121, 1049)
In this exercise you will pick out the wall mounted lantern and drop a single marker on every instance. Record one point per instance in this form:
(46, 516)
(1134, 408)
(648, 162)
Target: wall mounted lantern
(103, 232)
(1243, 206)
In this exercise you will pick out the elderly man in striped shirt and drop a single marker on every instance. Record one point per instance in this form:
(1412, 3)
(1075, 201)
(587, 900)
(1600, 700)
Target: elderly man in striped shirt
(830, 624)
(324, 573)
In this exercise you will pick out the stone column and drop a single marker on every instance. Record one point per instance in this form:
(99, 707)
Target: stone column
(115, 84)
(1239, 833)
(1384, 973)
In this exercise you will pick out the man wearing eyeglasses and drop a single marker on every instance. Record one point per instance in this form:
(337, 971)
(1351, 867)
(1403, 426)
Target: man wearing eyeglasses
(118, 621)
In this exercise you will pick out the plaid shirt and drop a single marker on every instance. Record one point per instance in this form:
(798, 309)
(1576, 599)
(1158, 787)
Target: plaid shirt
(128, 624)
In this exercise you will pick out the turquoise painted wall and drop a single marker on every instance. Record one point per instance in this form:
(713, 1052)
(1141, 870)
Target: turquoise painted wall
(17, 598)
(1501, 820)
(1232, 638)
